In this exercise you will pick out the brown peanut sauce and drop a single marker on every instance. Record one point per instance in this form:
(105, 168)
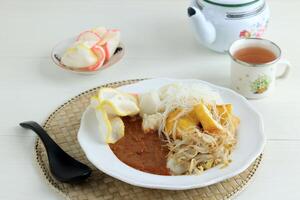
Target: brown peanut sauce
(140, 150)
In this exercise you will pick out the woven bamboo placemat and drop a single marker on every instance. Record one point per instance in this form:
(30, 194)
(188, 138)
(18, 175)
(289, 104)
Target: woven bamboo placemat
(63, 124)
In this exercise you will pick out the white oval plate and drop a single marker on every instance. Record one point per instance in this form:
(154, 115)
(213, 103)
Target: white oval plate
(250, 144)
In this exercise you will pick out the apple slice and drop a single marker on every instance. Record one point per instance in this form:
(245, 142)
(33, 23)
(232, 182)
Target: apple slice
(110, 41)
(93, 46)
(90, 68)
(90, 37)
(113, 43)
(99, 53)
(79, 55)
(100, 31)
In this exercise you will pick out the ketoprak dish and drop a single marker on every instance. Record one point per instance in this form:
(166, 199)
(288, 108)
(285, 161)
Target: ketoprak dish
(179, 129)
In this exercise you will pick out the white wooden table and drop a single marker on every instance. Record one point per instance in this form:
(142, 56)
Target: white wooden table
(158, 43)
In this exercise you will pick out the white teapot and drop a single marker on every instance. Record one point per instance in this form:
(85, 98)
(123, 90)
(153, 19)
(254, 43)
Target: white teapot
(218, 23)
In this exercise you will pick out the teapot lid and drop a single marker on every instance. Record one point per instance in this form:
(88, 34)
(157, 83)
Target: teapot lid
(231, 3)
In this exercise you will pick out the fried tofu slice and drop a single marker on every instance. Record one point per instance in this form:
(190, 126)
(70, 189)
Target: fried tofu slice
(201, 114)
(171, 120)
(185, 122)
(235, 123)
(204, 116)
(225, 112)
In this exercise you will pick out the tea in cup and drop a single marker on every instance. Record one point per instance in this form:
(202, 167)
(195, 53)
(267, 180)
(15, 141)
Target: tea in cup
(254, 64)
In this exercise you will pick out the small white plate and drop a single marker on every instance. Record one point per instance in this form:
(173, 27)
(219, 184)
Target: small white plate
(60, 48)
(251, 141)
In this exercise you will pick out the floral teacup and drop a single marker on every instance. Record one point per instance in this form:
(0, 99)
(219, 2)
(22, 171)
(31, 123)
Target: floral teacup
(255, 81)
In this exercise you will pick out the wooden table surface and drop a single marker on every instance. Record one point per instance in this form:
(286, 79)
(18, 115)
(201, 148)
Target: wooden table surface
(159, 43)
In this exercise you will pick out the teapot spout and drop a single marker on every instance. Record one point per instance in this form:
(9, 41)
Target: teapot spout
(204, 29)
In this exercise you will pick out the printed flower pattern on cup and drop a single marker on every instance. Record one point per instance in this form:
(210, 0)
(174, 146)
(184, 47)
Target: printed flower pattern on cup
(245, 34)
(256, 30)
(261, 84)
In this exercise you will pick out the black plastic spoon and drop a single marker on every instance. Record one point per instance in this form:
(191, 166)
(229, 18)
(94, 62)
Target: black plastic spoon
(62, 166)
